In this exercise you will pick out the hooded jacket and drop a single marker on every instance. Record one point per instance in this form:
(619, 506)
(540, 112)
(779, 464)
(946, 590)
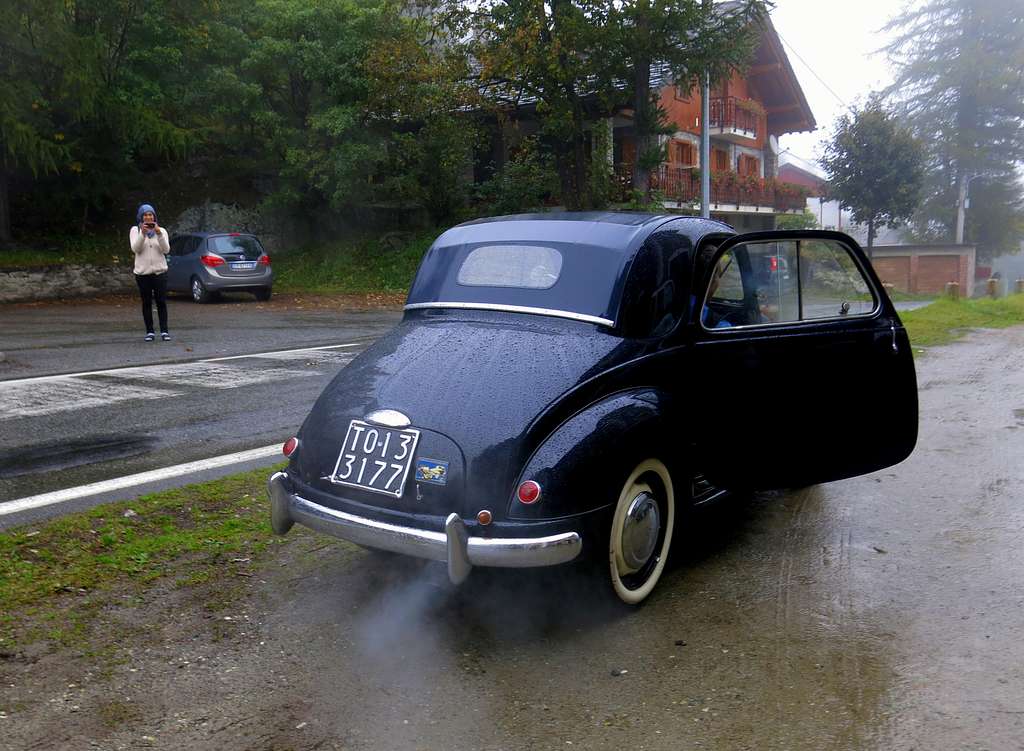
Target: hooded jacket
(149, 247)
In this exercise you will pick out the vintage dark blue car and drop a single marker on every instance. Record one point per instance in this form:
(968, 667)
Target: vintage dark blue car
(570, 385)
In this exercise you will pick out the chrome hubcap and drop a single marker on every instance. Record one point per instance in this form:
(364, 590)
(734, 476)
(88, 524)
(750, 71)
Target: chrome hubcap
(640, 531)
(197, 291)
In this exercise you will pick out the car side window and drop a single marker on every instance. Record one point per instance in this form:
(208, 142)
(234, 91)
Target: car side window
(655, 296)
(831, 284)
(761, 283)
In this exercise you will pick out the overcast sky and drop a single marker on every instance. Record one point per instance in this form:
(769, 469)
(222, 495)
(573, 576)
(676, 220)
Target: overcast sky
(836, 38)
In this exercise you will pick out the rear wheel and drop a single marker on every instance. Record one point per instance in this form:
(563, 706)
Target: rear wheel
(263, 294)
(641, 531)
(200, 293)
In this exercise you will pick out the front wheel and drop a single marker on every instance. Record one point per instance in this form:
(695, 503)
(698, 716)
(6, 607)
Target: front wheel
(641, 531)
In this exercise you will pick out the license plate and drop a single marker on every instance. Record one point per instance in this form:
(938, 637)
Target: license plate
(243, 265)
(375, 458)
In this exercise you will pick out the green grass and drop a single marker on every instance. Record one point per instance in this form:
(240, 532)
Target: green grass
(95, 250)
(185, 533)
(352, 267)
(945, 320)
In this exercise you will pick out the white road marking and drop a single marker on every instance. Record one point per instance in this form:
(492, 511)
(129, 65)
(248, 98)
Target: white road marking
(31, 400)
(115, 371)
(341, 358)
(44, 395)
(277, 353)
(130, 481)
(211, 375)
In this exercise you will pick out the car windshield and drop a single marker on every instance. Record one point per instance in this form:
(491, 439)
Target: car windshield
(247, 245)
(566, 279)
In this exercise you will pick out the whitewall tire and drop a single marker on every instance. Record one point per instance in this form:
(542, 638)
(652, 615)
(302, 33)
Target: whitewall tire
(641, 531)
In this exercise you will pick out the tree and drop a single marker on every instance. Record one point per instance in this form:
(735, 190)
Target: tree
(875, 168)
(804, 220)
(959, 83)
(557, 56)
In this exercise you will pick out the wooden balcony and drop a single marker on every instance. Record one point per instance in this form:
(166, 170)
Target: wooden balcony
(730, 193)
(734, 119)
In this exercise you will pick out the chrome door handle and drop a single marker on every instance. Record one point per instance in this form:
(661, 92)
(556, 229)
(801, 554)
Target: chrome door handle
(893, 330)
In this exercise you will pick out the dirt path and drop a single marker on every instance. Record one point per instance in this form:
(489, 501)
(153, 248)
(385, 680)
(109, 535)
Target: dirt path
(883, 612)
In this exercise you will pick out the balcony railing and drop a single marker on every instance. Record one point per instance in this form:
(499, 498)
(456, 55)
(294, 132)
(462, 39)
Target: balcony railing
(729, 191)
(734, 114)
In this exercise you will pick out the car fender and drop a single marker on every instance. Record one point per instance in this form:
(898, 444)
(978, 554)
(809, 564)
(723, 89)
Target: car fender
(582, 463)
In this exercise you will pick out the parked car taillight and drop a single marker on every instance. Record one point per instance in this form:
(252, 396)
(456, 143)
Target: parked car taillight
(264, 260)
(529, 492)
(774, 260)
(212, 261)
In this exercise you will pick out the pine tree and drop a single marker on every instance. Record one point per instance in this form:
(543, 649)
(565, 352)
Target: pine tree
(960, 84)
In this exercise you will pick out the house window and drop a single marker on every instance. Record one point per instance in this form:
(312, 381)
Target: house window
(682, 93)
(748, 165)
(685, 154)
(720, 160)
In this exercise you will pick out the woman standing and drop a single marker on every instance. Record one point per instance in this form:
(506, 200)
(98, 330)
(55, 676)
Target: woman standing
(149, 244)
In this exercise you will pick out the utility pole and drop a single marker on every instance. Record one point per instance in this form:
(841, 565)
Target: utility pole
(705, 138)
(961, 207)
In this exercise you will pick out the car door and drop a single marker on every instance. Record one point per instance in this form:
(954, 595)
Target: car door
(804, 370)
(181, 278)
(176, 264)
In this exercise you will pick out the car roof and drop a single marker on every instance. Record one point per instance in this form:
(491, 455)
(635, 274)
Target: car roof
(623, 231)
(595, 251)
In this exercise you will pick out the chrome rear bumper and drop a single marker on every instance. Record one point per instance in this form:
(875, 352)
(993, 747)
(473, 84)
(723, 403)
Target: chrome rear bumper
(451, 544)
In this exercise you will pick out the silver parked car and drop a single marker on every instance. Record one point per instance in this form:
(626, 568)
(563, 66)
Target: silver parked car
(205, 263)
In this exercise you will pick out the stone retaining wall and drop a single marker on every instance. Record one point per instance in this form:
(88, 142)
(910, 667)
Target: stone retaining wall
(53, 282)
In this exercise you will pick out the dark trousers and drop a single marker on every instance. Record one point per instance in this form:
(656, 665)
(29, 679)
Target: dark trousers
(153, 287)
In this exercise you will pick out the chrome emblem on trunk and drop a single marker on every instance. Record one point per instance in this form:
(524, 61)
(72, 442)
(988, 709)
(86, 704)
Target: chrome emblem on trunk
(388, 418)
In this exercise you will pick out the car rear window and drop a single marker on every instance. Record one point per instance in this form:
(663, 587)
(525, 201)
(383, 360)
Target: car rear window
(522, 266)
(248, 245)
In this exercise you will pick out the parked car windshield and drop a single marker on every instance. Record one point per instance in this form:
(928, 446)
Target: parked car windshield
(248, 245)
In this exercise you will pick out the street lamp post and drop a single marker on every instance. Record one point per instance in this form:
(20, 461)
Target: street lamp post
(705, 139)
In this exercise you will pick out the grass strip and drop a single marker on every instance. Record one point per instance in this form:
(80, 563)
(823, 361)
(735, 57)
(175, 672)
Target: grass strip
(353, 266)
(212, 524)
(946, 320)
(90, 250)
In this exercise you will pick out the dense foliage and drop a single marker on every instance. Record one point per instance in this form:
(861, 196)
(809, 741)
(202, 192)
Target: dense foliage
(324, 109)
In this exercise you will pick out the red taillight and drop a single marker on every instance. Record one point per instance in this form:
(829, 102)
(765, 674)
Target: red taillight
(775, 263)
(290, 446)
(212, 261)
(529, 492)
(264, 260)
(234, 234)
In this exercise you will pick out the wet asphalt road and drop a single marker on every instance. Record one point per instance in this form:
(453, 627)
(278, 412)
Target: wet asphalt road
(158, 404)
(880, 613)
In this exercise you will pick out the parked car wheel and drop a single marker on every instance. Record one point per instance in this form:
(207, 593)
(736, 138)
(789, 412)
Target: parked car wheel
(641, 531)
(263, 294)
(199, 292)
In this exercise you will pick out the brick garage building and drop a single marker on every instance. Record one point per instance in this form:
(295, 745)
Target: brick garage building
(925, 269)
